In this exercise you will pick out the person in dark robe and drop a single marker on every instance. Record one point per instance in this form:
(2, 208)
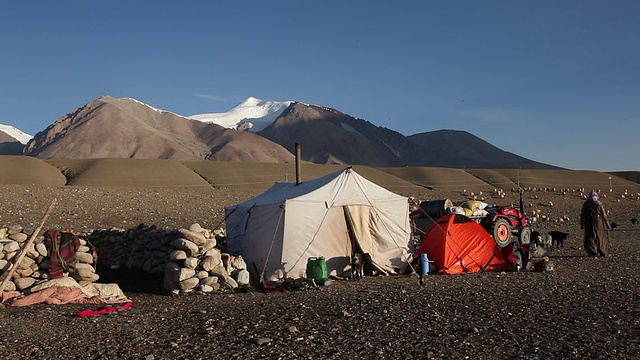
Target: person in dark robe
(594, 221)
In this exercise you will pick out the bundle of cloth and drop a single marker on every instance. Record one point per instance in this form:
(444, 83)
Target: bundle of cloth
(470, 208)
(66, 291)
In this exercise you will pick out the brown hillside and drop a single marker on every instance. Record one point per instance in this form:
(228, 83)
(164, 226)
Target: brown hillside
(439, 178)
(25, 170)
(128, 172)
(633, 176)
(264, 175)
(559, 179)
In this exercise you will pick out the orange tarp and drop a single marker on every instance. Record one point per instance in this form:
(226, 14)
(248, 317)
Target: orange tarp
(457, 244)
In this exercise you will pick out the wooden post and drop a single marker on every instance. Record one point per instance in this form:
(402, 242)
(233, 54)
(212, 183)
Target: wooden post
(298, 159)
(23, 252)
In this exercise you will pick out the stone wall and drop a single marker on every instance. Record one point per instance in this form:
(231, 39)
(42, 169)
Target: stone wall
(189, 258)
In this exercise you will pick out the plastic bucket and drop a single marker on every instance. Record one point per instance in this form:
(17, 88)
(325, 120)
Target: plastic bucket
(317, 268)
(435, 208)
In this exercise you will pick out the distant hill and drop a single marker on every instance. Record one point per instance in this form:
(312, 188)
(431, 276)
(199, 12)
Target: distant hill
(258, 176)
(464, 150)
(629, 175)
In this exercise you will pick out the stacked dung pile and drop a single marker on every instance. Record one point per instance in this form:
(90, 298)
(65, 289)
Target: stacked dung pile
(43, 259)
(189, 259)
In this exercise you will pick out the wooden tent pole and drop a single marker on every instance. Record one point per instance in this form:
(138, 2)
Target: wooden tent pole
(23, 252)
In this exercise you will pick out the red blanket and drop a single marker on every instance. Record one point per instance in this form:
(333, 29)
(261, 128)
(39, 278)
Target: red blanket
(62, 247)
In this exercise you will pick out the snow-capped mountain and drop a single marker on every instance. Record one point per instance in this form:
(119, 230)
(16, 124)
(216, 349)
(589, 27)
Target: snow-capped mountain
(252, 114)
(128, 128)
(17, 134)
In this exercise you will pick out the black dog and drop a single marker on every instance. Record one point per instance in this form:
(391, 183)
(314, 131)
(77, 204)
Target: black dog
(634, 221)
(558, 238)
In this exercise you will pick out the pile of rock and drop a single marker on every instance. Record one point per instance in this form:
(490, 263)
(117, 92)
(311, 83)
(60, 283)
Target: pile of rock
(33, 269)
(189, 258)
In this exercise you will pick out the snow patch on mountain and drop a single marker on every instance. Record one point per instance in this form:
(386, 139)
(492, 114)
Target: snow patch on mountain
(151, 107)
(252, 114)
(17, 134)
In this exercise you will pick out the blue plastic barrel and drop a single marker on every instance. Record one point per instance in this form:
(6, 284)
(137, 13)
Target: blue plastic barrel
(424, 264)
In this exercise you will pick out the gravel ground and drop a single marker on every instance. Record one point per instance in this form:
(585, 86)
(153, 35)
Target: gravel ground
(585, 308)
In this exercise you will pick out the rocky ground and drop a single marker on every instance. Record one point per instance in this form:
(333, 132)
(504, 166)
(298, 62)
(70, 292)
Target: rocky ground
(585, 308)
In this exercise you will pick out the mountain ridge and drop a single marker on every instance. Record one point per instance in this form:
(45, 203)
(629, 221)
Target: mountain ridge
(129, 128)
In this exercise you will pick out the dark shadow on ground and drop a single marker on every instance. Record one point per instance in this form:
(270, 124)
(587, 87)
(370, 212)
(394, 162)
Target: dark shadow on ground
(133, 281)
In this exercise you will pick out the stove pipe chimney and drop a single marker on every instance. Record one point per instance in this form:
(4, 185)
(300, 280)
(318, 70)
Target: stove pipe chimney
(298, 181)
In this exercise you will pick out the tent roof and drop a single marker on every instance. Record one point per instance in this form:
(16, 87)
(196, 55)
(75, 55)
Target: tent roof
(282, 191)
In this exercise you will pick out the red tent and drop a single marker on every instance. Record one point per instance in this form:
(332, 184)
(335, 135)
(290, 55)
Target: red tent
(457, 244)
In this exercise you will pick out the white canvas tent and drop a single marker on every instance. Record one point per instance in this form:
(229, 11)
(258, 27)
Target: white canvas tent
(282, 228)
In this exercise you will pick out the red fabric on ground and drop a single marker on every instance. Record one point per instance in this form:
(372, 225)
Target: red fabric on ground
(104, 310)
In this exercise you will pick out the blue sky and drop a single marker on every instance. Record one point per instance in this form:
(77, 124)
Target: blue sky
(553, 81)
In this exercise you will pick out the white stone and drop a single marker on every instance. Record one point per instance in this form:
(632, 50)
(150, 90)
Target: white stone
(209, 280)
(184, 274)
(25, 263)
(191, 263)
(5, 265)
(19, 237)
(84, 258)
(208, 263)
(193, 236)
(201, 275)
(229, 280)
(213, 252)
(83, 274)
(219, 270)
(86, 267)
(242, 277)
(10, 286)
(21, 273)
(42, 249)
(188, 284)
(237, 262)
(209, 244)
(10, 246)
(31, 252)
(189, 247)
(23, 283)
(205, 288)
(177, 255)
